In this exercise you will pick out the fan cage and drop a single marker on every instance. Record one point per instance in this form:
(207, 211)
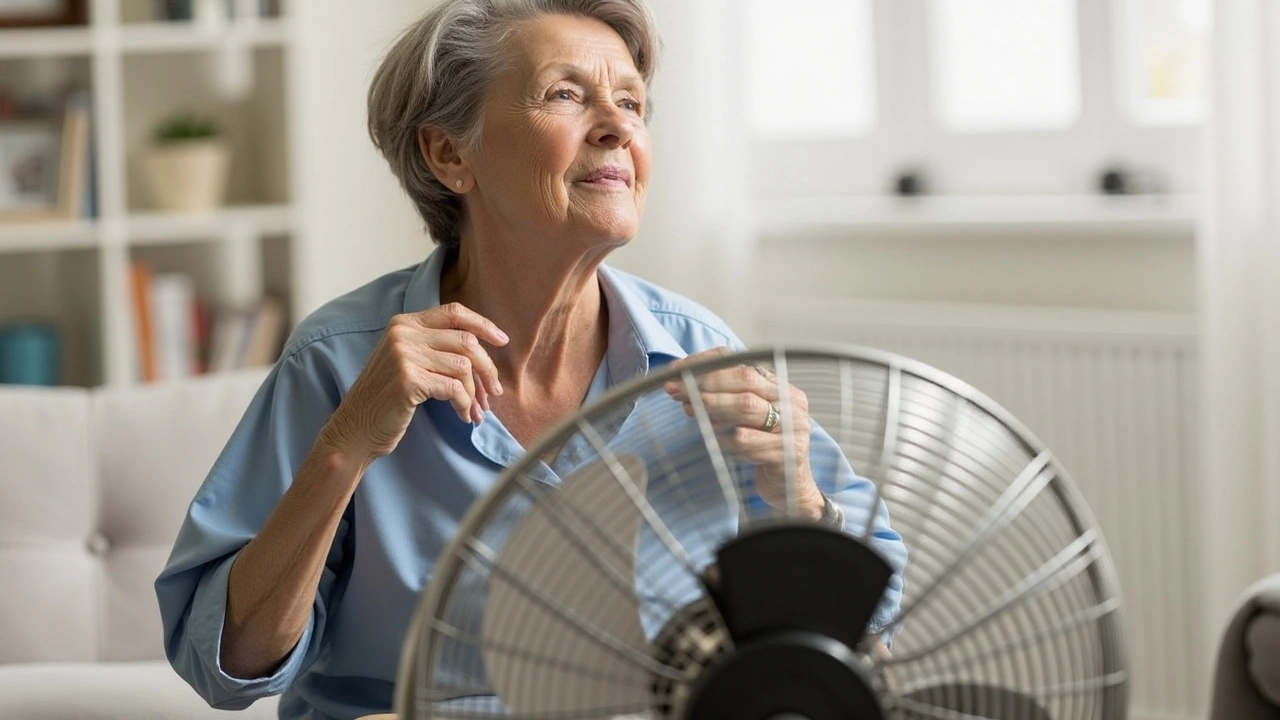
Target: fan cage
(1010, 607)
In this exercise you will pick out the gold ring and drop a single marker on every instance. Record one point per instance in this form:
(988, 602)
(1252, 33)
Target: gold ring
(771, 420)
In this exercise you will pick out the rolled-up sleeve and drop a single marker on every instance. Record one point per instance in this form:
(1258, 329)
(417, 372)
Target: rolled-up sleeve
(197, 656)
(860, 499)
(243, 488)
(855, 499)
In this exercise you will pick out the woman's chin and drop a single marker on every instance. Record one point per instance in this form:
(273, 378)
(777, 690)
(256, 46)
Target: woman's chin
(604, 243)
(614, 231)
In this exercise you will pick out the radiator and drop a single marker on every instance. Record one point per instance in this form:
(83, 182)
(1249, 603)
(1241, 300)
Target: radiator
(1113, 395)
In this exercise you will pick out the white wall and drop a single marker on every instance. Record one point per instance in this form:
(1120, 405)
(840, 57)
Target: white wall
(695, 235)
(358, 222)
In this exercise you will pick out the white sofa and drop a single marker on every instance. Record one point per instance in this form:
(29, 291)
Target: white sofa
(93, 487)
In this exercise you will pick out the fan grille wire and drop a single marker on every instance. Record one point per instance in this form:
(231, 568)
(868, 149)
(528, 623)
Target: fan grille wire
(1009, 585)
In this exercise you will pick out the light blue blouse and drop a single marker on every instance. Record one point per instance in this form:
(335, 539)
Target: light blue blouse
(409, 503)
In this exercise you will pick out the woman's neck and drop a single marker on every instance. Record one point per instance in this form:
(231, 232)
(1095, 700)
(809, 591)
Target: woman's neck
(552, 308)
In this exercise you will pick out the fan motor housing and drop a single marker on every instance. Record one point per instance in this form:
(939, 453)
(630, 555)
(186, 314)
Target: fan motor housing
(786, 674)
(795, 598)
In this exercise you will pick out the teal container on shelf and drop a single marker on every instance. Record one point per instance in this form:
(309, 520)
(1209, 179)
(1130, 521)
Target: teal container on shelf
(28, 353)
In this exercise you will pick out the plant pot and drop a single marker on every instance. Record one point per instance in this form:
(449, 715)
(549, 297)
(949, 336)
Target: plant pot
(187, 175)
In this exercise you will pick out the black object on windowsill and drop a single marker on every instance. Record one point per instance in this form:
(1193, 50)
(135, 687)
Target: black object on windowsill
(1113, 181)
(1121, 180)
(910, 183)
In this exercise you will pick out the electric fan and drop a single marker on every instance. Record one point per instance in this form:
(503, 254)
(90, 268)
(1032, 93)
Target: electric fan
(647, 580)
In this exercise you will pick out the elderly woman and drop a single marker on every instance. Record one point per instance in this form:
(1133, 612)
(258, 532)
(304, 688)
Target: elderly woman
(517, 127)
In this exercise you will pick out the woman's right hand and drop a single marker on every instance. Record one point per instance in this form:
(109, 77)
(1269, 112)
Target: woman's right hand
(432, 354)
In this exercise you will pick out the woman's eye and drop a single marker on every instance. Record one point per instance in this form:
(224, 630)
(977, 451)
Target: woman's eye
(631, 105)
(562, 95)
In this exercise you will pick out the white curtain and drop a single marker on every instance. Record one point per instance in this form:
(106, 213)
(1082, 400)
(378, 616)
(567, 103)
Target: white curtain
(694, 238)
(1239, 263)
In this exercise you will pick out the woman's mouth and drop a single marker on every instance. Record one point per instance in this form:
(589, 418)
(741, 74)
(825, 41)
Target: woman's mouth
(608, 176)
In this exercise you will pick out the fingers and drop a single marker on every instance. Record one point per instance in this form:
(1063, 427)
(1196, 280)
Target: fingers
(744, 404)
(736, 379)
(450, 376)
(755, 446)
(743, 409)
(456, 329)
(734, 399)
(465, 344)
(457, 316)
(434, 354)
(705, 354)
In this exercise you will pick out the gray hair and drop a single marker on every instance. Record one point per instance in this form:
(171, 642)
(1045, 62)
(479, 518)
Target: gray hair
(437, 72)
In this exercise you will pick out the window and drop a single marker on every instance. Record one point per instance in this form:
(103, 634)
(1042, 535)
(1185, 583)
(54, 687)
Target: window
(813, 69)
(978, 96)
(1167, 58)
(1004, 65)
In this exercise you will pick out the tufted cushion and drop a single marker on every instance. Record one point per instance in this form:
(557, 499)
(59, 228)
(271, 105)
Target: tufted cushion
(155, 445)
(93, 486)
(48, 507)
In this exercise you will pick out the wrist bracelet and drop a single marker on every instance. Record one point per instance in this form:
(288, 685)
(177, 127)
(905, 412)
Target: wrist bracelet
(832, 514)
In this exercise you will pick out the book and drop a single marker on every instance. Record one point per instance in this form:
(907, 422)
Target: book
(226, 339)
(74, 160)
(247, 336)
(262, 342)
(144, 344)
(173, 313)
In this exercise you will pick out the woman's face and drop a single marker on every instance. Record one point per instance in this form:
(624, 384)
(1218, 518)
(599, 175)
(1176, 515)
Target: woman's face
(564, 151)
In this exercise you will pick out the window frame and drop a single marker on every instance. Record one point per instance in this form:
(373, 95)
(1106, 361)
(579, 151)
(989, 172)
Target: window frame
(908, 136)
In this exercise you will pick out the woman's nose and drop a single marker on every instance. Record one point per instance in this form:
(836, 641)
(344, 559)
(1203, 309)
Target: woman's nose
(613, 128)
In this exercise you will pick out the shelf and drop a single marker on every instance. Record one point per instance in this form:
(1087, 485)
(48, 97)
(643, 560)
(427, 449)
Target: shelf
(180, 36)
(153, 228)
(152, 37)
(1166, 213)
(48, 235)
(45, 42)
(148, 228)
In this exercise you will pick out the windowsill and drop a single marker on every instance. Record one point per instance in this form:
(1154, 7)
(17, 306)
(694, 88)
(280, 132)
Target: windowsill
(1165, 213)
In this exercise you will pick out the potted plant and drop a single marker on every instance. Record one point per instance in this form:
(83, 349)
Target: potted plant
(186, 165)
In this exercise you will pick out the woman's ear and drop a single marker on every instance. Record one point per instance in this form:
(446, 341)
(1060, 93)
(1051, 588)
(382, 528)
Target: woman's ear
(441, 155)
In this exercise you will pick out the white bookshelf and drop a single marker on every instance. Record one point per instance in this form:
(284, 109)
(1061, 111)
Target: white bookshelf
(170, 37)
(48, 236)
(45, 42)
(140, 69)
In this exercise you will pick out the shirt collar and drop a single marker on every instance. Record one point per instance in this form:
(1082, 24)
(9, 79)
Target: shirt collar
(635, 338)
(635, 335)
(423, 290)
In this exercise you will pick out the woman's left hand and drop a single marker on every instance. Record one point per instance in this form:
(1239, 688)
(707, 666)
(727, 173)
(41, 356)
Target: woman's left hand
(744, 405)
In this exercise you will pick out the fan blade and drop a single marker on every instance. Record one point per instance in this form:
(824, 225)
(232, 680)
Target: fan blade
(799, 577)
(970, 700)
(561, 631)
